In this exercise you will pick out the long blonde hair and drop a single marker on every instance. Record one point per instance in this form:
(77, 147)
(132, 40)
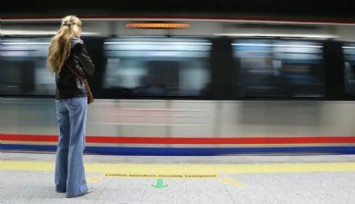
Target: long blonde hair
(60, 45)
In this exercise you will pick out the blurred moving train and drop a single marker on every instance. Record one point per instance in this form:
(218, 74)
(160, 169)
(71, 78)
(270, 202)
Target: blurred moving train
(188, 86)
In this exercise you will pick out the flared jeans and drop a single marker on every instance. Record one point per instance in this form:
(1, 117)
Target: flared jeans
(69, 167)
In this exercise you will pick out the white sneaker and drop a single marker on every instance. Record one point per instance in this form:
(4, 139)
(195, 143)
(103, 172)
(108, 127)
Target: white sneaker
(90, 189)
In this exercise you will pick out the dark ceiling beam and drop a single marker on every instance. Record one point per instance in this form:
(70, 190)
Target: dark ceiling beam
(277, 8)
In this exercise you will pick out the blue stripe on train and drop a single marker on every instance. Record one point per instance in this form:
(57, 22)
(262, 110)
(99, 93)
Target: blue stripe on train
(168, 151)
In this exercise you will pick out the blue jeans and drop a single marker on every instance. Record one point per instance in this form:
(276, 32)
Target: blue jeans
(69, 167)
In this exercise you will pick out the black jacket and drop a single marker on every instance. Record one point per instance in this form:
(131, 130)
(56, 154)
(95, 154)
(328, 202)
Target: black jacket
(68, 85)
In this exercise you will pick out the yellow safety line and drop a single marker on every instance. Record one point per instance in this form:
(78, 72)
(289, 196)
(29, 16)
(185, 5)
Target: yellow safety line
(187, 169)
(26, 166)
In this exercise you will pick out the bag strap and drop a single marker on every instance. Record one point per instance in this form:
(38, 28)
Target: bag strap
(75, 73)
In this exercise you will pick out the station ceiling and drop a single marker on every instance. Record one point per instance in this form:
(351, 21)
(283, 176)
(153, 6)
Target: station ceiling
(306, 9)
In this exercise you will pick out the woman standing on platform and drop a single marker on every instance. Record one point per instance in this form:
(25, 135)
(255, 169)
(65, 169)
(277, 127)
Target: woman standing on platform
(67, 53)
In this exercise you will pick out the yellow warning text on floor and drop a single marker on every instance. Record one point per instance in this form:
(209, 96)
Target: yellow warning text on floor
(161, 175)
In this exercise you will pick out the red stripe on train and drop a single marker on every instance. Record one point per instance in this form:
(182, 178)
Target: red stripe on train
(184, 140)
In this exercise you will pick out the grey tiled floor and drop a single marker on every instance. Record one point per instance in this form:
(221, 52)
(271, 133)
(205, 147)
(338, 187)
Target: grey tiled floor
(271, 188)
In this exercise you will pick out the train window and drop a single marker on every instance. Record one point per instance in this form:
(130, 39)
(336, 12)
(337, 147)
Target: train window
(16, 77)
(349, 72)
(278, 68)
(23, 67)
(151, 67)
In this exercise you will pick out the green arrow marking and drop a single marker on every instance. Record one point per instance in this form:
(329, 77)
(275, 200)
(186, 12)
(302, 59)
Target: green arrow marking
(159, 184)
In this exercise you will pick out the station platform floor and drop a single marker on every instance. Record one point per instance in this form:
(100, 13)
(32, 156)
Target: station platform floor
(246, 179)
